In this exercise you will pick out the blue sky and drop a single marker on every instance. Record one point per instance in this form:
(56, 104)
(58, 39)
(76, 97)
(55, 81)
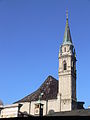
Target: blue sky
(31, 32)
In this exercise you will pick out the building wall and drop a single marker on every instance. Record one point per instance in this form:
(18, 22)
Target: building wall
(54, 105)
(25, 107)
(66, 105)
(8, 112)
(48, 106)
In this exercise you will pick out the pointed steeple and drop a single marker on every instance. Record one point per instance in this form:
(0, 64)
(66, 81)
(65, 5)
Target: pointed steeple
(67, 36)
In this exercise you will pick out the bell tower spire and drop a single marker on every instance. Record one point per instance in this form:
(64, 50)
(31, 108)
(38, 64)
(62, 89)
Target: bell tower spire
(67, 71)
(67, 35)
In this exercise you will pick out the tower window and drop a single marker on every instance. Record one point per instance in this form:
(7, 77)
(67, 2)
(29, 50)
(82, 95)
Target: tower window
(64, 65)
(65, 49)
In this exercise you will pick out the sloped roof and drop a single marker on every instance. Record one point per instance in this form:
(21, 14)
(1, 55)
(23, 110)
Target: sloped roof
(67, 35)
(49, 89)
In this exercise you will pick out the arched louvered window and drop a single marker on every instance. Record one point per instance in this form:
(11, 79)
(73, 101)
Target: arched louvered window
(64, 65)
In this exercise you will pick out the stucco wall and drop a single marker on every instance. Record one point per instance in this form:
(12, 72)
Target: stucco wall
(47, 106)
(9, 112)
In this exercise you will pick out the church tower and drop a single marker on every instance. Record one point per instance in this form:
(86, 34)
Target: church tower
(67, 72)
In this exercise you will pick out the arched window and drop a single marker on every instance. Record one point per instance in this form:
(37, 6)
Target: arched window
(64, 65)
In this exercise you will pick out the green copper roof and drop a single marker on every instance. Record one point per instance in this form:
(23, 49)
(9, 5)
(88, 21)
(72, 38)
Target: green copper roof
(67, 36)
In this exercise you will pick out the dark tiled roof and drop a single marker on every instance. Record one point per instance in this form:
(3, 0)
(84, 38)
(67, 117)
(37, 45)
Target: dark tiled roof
(80, 112)
(49, 89)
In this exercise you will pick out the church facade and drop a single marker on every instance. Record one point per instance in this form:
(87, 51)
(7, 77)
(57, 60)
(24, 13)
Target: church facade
(56, 95)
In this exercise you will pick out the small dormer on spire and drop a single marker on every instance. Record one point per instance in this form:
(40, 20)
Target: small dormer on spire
(67, 36)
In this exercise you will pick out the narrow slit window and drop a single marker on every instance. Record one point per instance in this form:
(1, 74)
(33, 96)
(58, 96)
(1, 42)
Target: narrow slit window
(65, 49)
(65, 65)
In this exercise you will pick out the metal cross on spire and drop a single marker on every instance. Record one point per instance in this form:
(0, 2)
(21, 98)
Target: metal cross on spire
(67, 14)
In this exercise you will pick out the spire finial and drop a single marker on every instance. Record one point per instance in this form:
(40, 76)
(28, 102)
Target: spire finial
(67, 14)
(67, 35)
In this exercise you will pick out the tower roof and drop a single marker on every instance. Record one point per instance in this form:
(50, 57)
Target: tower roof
(67, 36)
